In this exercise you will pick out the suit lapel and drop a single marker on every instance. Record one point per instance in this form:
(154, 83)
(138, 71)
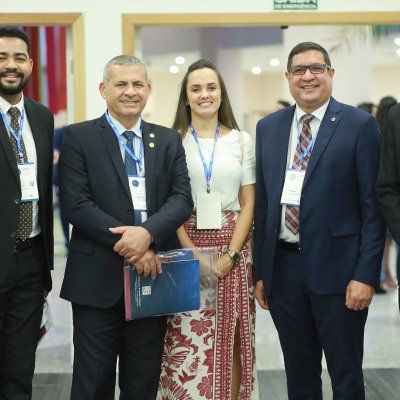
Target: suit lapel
(39, 138)
(8, 151)
(283, 136)
(327, 128)
(114, 151)
(150, 150)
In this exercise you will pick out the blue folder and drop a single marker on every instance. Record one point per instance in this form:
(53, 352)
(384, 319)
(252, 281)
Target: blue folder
(177, 289)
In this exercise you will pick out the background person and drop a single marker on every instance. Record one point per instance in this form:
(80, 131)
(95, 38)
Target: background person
(388, 182)
(318, 233)
(26, 228)
(216, 348)
(107, 167)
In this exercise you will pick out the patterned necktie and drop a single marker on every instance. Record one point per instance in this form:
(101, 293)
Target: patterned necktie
(130, 163)
(293, 212)
(25, 221)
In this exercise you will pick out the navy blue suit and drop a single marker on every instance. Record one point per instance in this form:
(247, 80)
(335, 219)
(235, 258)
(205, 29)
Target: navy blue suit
(341, 239)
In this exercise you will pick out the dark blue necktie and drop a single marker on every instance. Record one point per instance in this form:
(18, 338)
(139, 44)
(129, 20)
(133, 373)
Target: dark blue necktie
(130, 163)
(130, 167)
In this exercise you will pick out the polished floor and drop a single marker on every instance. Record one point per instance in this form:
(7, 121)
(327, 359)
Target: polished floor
(381, 360)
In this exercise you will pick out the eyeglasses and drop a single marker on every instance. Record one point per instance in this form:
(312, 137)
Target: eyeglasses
(314, 69)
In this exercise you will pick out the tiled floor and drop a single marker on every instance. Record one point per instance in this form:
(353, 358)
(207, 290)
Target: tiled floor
(382, 350)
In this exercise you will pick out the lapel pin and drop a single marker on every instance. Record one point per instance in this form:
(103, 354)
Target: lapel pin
(151, 135)
(333, 119)
(151, 145)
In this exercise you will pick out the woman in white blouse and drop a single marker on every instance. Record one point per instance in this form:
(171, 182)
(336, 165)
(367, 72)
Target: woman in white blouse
(210, 354)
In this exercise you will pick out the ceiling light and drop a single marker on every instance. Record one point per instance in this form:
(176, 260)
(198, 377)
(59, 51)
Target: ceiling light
(397, 41)
(174, 69)
(180, 60)
(256, 70)
(398, 52)
(274, 62)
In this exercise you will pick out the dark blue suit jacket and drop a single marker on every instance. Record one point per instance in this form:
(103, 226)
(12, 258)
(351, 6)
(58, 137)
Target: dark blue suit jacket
(95, 196)
(341, 231)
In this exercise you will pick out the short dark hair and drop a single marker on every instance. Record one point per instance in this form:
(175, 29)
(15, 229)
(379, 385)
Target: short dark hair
(14, 32)
(305, 46)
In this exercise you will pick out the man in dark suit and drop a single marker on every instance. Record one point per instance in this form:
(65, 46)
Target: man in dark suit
(119, 213)
(388, 183)
(26, 214)
(318, 234)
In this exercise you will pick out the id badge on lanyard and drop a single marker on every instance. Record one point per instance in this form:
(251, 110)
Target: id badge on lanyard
(291, 193)
(27, 176)
(137, 187)
(208, 204)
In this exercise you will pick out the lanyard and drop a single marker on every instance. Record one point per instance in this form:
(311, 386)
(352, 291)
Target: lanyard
(310, 145)
(138, 160)
(207, 169)
(17, 135)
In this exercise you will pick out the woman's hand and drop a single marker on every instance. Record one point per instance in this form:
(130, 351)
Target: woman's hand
(224, 265)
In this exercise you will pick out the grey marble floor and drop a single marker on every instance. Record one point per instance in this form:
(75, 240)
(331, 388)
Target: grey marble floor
(382, 334)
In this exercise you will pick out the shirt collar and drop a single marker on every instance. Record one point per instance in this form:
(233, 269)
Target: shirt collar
(318, 113)
(137, 129)
(5, 105)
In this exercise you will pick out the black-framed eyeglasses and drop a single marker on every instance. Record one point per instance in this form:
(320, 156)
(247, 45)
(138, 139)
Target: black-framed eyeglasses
(314, 69)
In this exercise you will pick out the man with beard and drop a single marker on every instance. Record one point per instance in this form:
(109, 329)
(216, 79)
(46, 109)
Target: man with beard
(26, 229)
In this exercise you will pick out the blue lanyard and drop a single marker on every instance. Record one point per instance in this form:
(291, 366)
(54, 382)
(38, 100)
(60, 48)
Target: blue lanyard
(17, 136)
(310, 145)
(138, 160)
(207, 169)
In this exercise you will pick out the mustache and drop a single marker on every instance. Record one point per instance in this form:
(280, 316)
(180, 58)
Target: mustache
(8, 71)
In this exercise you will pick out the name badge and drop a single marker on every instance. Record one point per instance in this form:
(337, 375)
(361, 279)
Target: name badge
(137, 187)
(208, 210)
(292, 187)
(27, 176)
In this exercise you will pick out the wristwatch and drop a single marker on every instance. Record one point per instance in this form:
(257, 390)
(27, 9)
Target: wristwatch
(234, 255)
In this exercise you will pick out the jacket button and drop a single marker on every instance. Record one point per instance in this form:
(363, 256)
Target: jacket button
(130, 211)
(13, 234)
(17, 201)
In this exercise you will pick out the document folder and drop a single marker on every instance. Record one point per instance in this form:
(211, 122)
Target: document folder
(188, 282)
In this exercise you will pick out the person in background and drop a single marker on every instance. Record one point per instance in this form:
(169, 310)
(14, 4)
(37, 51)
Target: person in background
(125, 189)
(210, 354)
(388, 182)
(26, 214)
(318, 234)
(369, 107)
(58, 138)
(281, 104)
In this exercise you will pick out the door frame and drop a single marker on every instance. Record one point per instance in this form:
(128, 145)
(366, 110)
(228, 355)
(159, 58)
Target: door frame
(132, 21)
(69, 20)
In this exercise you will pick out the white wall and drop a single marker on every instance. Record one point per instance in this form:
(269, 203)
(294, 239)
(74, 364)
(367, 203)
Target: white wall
(103, 31)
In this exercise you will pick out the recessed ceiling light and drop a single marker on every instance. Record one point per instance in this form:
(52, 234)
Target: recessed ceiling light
(180, 60)
(256, 70)
(173, 69)
(274, 62)
(397, 41)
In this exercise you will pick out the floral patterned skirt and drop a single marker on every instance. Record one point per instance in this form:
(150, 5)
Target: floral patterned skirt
(198, 348)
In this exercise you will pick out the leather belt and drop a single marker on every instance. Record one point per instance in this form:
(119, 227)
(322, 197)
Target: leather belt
(289, 246)
(22, 245)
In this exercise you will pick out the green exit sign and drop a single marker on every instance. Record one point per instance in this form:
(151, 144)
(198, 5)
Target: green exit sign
(295, 4)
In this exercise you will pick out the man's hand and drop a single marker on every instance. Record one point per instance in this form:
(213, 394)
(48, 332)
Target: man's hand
(134, 242)
(358, 295)
(259, 294)
(148, 264)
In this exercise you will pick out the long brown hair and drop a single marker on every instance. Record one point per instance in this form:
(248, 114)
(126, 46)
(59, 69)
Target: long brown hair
(183, 113)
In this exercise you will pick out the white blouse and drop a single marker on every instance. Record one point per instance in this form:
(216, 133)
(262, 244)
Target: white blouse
(232, 167)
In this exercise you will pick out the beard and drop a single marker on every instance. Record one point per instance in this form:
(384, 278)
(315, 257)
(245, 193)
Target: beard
(14, 88)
